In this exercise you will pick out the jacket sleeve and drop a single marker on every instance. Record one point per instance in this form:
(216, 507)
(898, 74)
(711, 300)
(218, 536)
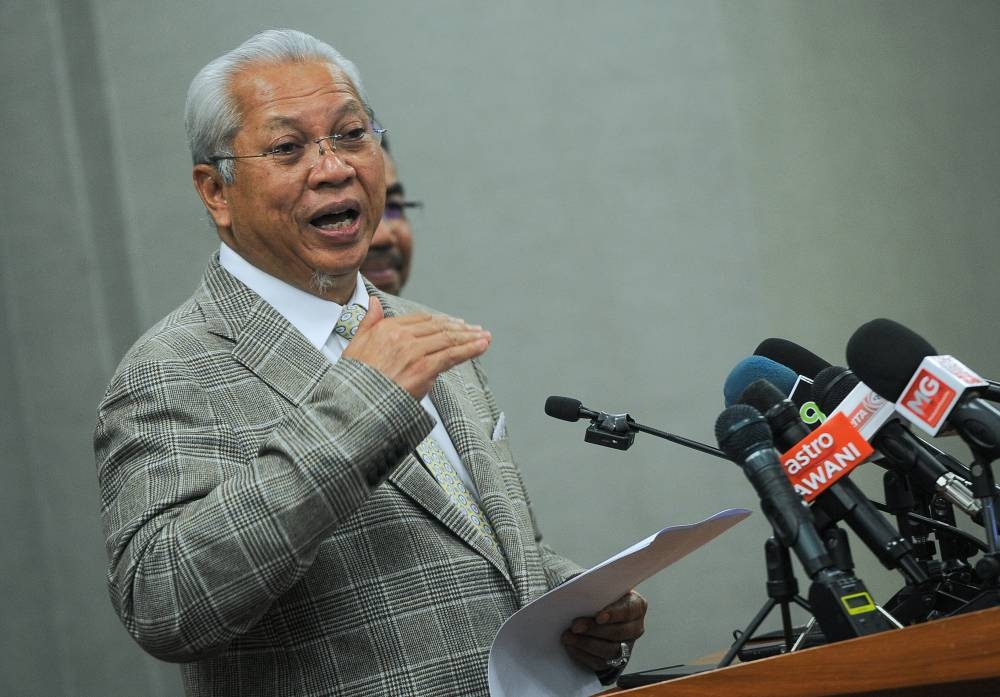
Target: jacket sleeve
(202, 536)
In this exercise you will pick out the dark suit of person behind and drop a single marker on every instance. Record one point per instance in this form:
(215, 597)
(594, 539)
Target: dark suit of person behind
(267, 522)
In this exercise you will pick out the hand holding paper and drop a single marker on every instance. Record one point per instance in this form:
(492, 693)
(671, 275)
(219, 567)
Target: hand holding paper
(596, 642)
(527, 657)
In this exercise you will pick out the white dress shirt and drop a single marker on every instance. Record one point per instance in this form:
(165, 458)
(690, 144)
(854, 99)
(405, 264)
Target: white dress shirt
(315, 318)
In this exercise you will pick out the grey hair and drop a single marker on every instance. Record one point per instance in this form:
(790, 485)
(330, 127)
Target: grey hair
(322, 281)
(211, 116)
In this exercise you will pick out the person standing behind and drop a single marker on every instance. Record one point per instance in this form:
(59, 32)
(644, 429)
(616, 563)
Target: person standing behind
(390, 255)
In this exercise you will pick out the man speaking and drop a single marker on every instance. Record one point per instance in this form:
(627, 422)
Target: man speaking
(306, 484)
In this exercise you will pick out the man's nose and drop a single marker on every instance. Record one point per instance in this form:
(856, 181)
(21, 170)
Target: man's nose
(330, 166)
(383, 236)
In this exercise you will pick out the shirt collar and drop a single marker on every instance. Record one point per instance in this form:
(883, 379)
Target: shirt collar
(314, 317)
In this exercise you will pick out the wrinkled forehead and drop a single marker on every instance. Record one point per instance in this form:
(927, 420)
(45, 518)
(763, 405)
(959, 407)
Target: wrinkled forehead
(270, 87)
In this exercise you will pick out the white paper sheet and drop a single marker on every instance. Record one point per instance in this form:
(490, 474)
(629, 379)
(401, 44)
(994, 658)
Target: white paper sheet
(527, 658)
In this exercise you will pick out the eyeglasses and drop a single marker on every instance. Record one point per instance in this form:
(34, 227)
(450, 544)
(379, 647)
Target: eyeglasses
(357, 142)
(394, 210)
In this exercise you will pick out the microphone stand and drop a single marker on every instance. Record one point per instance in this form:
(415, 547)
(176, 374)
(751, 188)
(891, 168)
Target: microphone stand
(680, 440)
(618, 431)
(918, 603)
(782, 590)
(983, 488)
(949, 589)
(988, 567)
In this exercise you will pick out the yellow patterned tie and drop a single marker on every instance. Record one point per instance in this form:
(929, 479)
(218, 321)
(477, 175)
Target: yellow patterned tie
(439, 465)
(350, 317)
(429, 450)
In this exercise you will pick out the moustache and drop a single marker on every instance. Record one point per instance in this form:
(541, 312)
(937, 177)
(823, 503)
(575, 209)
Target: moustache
(383, 257)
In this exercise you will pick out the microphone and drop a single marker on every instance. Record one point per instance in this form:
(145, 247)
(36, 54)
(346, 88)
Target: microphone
(930, 390)
(992, 391)
(903, 451)
(745, 438)
(615, 430)
(803, 365)
(802, 361)
(839, 600)
(754, 368)
(870, 415)
(568, 409)
(897, 449)
(839, 499)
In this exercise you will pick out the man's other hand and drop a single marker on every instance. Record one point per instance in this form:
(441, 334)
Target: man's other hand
(413, 350)
(596, 642)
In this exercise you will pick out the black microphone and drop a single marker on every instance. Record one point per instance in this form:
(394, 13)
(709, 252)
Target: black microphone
(781, 414)
(803, 363)
(886, 356)
(903, 452)
(791, 355)
(839, 600)
(992, 391)
(568, 409)
(615, 430)
(746, 439)
(842, 500)
(932, 390)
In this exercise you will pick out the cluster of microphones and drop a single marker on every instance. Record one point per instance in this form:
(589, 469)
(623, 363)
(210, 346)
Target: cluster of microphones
(797, 426)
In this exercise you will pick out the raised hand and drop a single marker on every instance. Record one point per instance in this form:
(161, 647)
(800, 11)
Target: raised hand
(412, 350)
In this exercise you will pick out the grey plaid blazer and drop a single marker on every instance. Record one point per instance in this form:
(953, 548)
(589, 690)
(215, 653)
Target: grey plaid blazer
(268, 526)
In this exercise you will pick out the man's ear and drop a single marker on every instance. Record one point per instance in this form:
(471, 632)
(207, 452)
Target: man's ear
(209, 186)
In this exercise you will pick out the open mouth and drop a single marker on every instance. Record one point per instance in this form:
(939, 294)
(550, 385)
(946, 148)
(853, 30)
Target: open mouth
(334, 222)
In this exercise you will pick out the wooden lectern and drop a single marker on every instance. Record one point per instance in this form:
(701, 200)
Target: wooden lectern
(952, 657)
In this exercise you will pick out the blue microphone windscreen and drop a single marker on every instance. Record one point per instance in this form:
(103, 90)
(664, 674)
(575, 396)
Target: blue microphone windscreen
(753, 368)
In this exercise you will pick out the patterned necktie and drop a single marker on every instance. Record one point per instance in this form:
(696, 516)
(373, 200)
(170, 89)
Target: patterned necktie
(429, 450)
(350, 317)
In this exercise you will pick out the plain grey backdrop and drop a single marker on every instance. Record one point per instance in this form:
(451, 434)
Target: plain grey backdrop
(630, 195)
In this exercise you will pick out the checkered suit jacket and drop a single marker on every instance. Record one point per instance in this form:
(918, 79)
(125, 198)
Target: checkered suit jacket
(268, 526)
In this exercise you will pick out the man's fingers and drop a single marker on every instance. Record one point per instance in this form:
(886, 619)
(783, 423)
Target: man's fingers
(375, 308)
(597, 641)
(448, 355)
(413, 350)
(603, 649)
(592, 652)
(593, 662)
(408, 327)
(451, 337)
(616, 632)
(373, 316)
(629, 607)
(430, 325)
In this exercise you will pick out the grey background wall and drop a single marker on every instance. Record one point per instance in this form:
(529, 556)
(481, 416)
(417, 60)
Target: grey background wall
(630, 195)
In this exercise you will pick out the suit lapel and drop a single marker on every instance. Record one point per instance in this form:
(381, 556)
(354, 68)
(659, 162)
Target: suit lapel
(279, 354)
(265, 342)
(269, 346)
(449, 399)
(413, 479)
(479, 457)
(420, 485)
